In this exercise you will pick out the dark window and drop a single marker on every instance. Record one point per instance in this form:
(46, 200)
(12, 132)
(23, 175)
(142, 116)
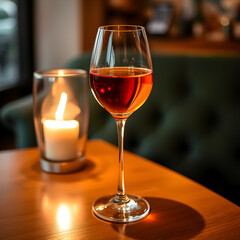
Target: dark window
(16, 56)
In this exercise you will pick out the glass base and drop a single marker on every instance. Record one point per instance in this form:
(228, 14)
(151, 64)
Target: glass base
(62, 166)
(110, 208)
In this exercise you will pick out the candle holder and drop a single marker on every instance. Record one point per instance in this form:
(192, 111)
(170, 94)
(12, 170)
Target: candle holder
(61, 116)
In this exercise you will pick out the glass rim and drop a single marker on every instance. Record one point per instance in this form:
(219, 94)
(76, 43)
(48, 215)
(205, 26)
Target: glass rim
(64, 73)
(122, 28)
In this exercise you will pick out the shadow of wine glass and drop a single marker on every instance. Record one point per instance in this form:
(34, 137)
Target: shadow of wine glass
(168, 219)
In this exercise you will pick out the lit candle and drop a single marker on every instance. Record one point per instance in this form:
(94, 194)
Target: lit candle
(61, 136)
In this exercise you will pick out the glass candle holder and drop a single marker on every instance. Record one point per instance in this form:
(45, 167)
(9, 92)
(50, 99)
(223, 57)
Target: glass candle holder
(61, 116)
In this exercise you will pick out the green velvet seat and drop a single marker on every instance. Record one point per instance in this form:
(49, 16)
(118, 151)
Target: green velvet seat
(190, 123)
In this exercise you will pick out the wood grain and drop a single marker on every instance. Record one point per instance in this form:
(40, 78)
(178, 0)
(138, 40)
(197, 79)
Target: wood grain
(38, 205)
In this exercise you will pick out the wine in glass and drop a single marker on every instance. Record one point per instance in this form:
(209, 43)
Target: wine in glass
(121, 81)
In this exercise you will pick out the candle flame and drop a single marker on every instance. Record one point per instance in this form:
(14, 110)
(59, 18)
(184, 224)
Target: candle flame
(61, 106)
(60, 73)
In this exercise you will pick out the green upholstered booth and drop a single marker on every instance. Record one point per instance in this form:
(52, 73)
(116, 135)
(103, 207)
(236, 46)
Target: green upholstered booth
(190, 123)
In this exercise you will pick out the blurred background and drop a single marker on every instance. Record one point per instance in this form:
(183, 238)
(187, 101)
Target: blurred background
(42, 34)
(45, 34)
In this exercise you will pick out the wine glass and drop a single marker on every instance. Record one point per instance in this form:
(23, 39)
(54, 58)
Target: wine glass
(121, 81)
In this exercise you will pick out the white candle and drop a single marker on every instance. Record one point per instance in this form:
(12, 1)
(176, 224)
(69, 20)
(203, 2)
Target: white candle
(61, 136)
(61, 139)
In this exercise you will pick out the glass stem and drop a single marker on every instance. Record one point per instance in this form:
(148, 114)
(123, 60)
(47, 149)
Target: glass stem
(121, 196)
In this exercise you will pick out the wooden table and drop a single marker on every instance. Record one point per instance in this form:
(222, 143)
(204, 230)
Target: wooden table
(37, 205)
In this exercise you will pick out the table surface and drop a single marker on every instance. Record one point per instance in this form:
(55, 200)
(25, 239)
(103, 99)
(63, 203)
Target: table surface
(39, 205)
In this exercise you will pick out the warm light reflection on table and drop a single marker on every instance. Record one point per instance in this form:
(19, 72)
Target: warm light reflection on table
(64, 217)
(151, 217)
(62, 209)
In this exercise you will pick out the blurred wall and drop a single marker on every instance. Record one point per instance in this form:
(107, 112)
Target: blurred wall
(57, 32)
